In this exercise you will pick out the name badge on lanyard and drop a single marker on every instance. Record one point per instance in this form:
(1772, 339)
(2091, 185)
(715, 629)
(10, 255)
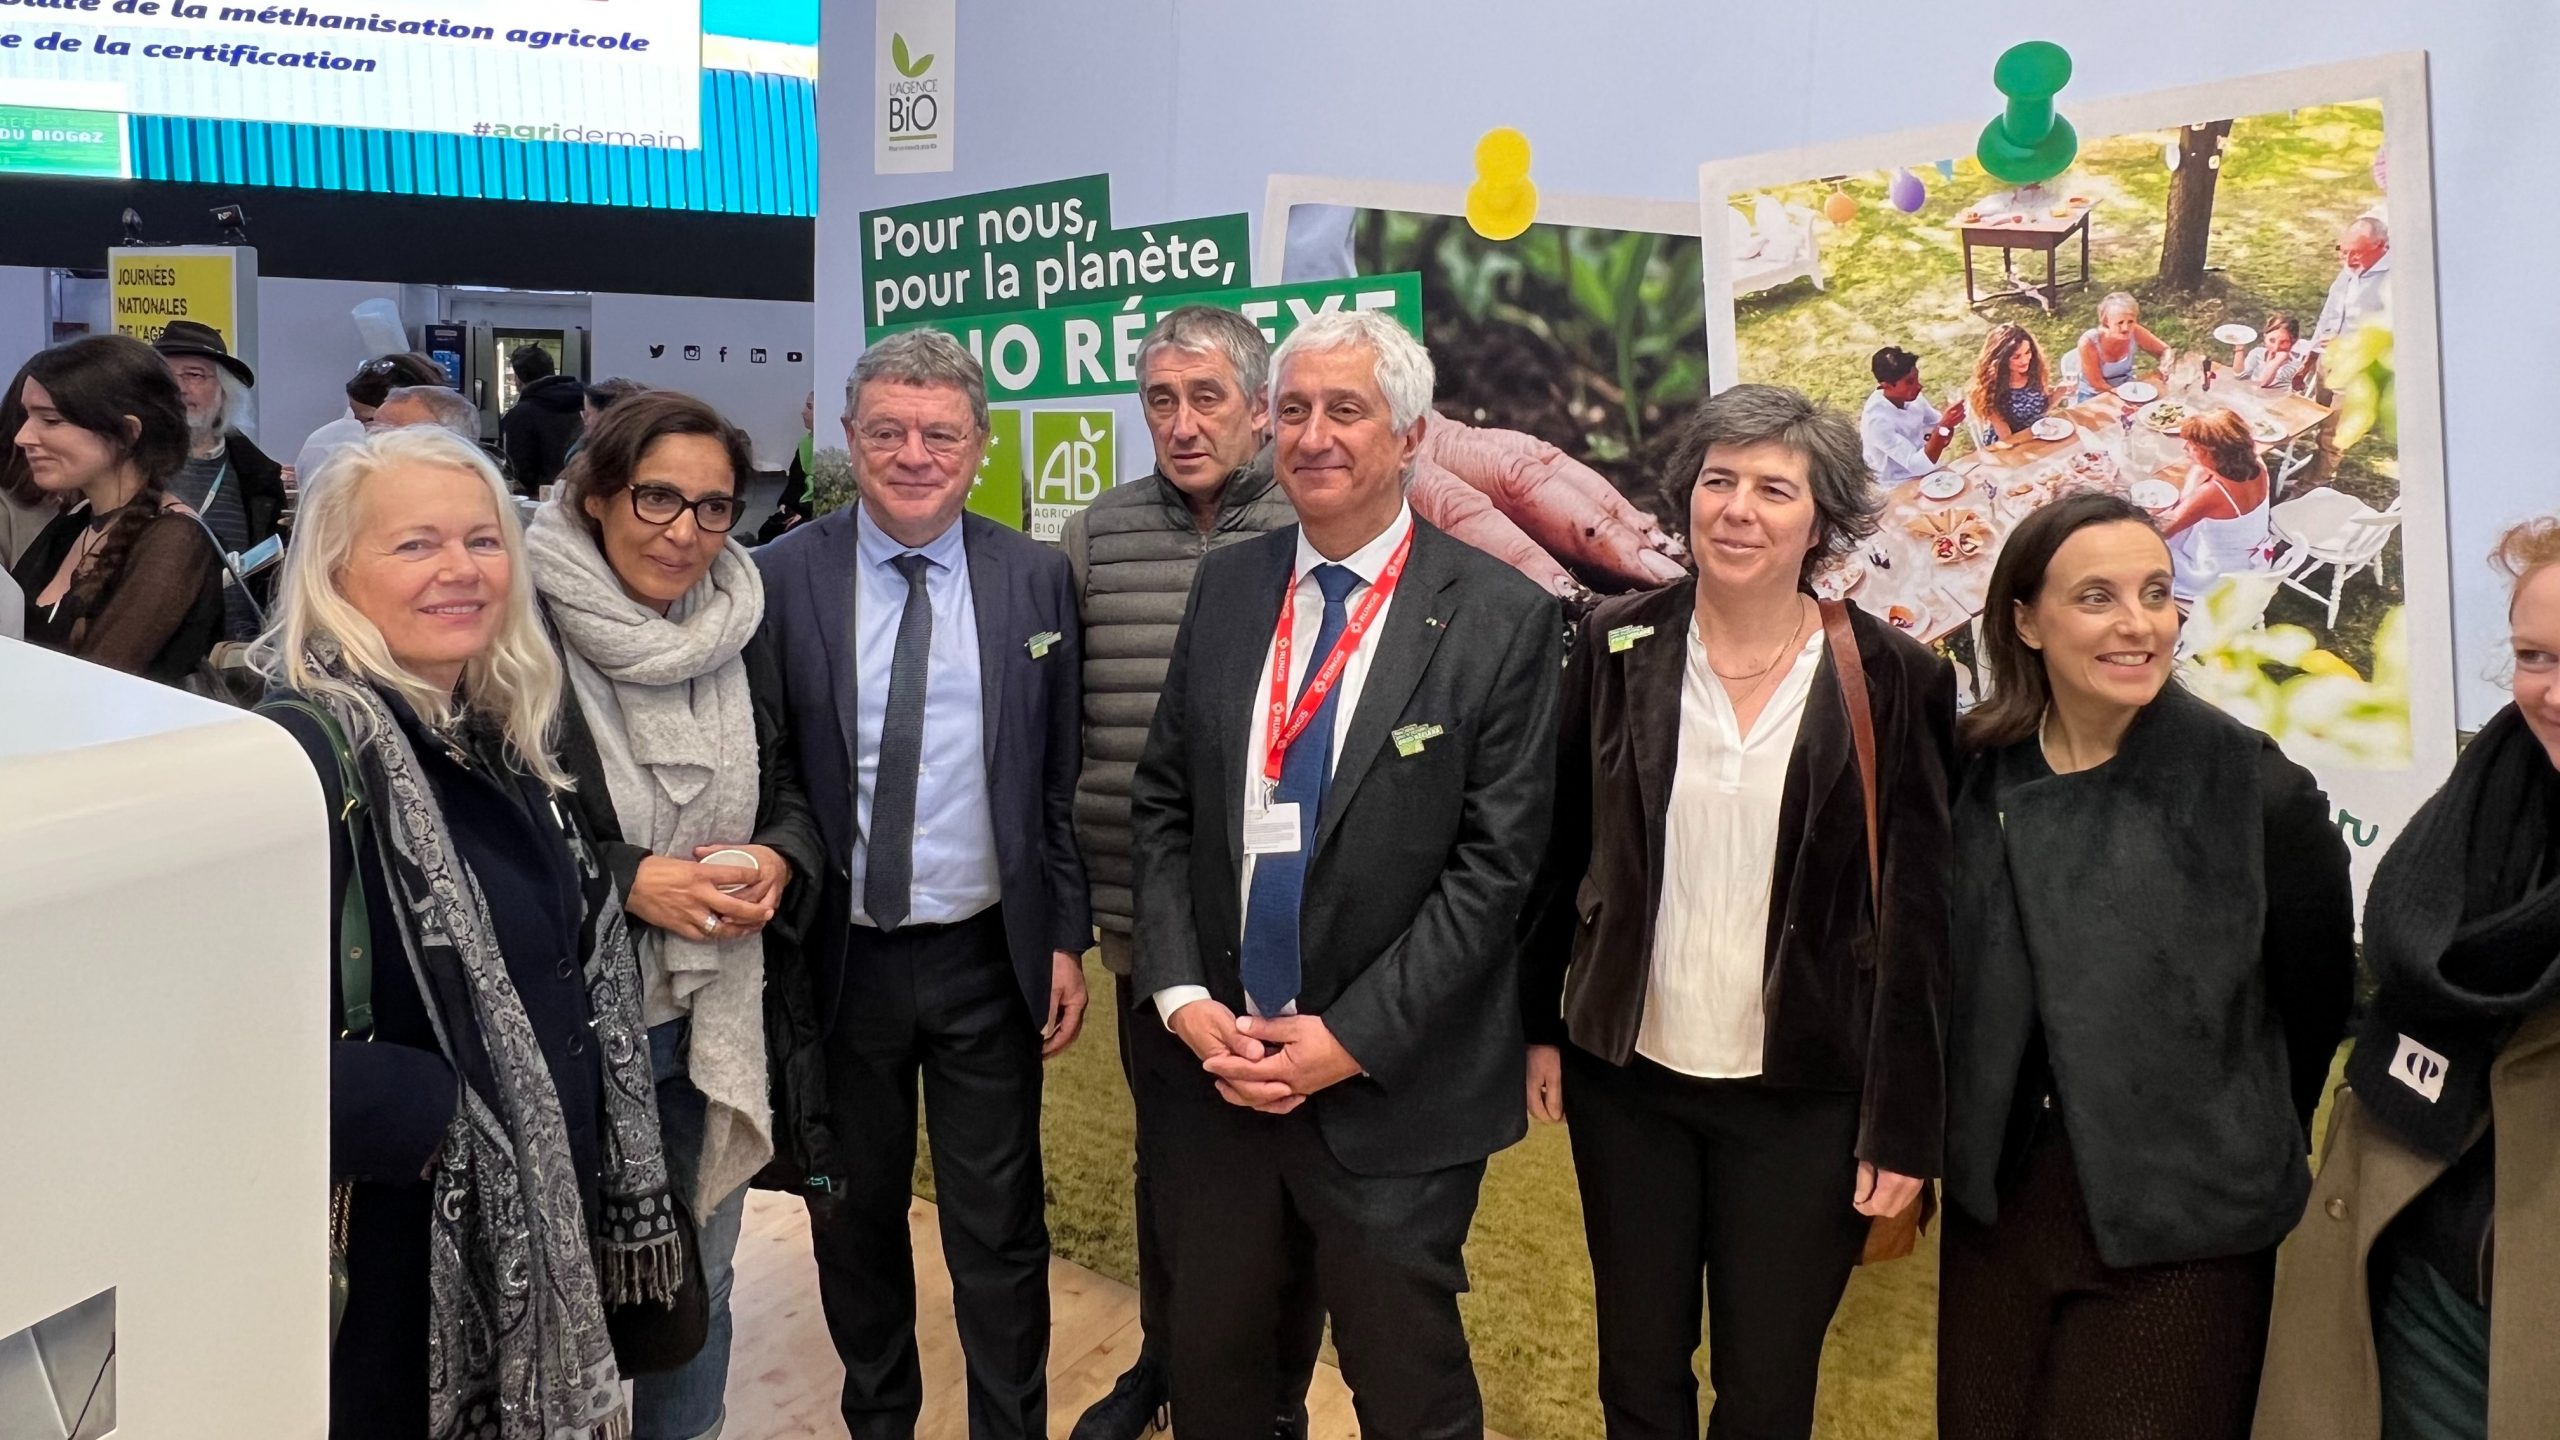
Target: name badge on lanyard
(1272, 828)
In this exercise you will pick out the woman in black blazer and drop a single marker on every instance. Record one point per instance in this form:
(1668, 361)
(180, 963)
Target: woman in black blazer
(2154, 962)
(1752, 1049)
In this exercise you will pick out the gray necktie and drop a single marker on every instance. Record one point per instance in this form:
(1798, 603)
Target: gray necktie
(889, 869)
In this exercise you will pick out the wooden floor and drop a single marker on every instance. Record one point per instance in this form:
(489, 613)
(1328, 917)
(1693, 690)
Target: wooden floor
(784, 1379)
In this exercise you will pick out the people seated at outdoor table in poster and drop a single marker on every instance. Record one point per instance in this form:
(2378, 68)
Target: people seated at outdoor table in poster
(1902, 433)
(2011, 387)
(2276, 362)
(2219, 523)
(2108, 351)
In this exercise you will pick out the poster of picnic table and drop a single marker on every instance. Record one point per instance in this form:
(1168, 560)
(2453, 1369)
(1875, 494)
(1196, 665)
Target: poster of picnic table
(2225, 261)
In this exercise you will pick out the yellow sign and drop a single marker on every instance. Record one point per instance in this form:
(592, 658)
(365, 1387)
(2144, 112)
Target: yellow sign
(152, 290)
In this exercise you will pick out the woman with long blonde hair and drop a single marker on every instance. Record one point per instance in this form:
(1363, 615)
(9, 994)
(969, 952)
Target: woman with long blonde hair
(491, 1108)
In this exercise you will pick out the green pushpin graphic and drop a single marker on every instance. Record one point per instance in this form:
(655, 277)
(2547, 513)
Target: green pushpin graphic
(2029, 144)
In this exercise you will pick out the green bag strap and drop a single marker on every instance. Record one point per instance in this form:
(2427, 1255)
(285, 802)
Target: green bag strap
(355, 919)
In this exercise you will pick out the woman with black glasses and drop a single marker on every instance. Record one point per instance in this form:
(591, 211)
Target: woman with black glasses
(672, 730)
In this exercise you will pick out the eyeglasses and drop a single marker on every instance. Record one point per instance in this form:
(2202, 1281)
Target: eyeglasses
(659, 505)
(884, 438)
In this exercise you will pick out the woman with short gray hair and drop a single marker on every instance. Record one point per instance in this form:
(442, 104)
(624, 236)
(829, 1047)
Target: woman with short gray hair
(1738, 951)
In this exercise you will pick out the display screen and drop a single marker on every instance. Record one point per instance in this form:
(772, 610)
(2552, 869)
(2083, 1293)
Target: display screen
(684, 104)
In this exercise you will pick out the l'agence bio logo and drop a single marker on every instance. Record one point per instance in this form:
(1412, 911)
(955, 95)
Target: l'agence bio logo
(915, 103)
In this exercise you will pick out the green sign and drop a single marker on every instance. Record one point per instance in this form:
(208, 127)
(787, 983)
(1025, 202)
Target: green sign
(37, 141)
(1086, 351)
(1032, 248)
(1071, 465)
(998, 491)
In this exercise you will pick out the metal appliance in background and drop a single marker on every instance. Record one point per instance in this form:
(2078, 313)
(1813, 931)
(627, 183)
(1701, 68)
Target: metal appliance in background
(476, 356)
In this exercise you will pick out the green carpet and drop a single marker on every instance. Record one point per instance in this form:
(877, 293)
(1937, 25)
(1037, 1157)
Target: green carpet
(1529, 1317)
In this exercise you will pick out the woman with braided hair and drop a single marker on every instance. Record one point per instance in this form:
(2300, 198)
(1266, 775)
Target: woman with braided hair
(125, 577)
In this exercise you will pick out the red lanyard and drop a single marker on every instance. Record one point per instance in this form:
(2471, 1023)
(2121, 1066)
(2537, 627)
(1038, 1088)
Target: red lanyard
(1286, 725)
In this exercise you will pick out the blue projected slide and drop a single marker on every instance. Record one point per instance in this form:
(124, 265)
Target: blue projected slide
(582, 115)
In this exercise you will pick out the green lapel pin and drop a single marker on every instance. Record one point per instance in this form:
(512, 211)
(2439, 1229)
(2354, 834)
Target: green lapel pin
(1039, 644)
(1625, 637)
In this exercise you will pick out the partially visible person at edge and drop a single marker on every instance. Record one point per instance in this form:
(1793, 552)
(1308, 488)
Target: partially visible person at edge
(125, 576)
(25, 507)
(672, 729)
(1901, 432)
(2154, 947)
(1749, 1052)
(497, 1120)
(1203, 380)
(793, 507)
(537, 431)
(931, 667)
(2011, 389)
(2419, 1297)
(227, 479)
(373, 380)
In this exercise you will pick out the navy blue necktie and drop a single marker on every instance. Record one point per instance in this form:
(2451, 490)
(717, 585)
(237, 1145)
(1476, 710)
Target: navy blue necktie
(1280, 881)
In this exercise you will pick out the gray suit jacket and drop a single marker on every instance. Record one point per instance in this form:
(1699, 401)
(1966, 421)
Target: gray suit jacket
(1421, 860)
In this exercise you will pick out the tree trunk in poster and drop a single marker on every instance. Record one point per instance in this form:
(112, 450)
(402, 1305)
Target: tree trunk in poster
(2190, 223)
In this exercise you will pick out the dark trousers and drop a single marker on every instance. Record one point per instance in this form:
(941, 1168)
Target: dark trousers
(2038, 1337)
(940, 1002)
(1254, 1204)
(1146, 1045)
(1727, 1195)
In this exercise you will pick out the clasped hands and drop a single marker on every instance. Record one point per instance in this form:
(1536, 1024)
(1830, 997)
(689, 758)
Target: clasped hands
(1266, 1065)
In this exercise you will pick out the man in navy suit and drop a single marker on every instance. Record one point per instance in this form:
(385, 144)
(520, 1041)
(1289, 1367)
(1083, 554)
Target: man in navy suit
(1326, 888)
(931, 675)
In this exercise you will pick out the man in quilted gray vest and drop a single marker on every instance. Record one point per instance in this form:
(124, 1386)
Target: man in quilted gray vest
(1203, 376)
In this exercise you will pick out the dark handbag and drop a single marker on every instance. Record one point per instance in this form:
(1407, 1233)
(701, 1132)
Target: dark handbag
(1889, 1237)
(650, 1338)
(355, 973)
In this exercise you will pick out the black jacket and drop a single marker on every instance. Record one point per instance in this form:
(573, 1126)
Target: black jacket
(1028, 699)
(1854, 1001)
(1422, 855)
(538, 432)
(804, 1148)
(2179, 922)
(261, 482)
(391, 1097)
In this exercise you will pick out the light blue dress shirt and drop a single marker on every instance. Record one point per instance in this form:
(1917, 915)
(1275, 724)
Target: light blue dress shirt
(955, 840)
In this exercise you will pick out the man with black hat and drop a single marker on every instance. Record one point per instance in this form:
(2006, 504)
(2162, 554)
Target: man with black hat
(228, 481)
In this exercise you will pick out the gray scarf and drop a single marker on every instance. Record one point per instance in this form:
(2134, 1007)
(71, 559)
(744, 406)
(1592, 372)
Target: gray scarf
(666, 699)
(517, 1347)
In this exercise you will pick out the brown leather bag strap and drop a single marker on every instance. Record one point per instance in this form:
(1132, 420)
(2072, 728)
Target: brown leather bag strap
(1862, 731)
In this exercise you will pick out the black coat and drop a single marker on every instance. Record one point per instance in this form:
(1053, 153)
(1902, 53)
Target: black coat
(261, 482)
(537, 433)
(2179, 922)
(1855, 1002)
(1421, 859)
(391, 1097)
(803, 1140)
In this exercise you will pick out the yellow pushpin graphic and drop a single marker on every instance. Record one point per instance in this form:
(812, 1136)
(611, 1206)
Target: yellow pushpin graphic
(1502, 202)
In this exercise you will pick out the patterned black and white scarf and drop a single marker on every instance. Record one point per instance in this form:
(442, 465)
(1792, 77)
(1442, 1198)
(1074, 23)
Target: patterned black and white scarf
(517, 1347)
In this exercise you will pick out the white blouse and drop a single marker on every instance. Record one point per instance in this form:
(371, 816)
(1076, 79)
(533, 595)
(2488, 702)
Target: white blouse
(1703, 1010)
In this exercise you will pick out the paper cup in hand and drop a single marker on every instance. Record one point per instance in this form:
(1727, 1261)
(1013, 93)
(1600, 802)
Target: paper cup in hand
(739, 858)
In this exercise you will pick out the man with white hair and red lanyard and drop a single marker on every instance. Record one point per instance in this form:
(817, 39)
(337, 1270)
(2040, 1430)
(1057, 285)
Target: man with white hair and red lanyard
(1338, 814)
